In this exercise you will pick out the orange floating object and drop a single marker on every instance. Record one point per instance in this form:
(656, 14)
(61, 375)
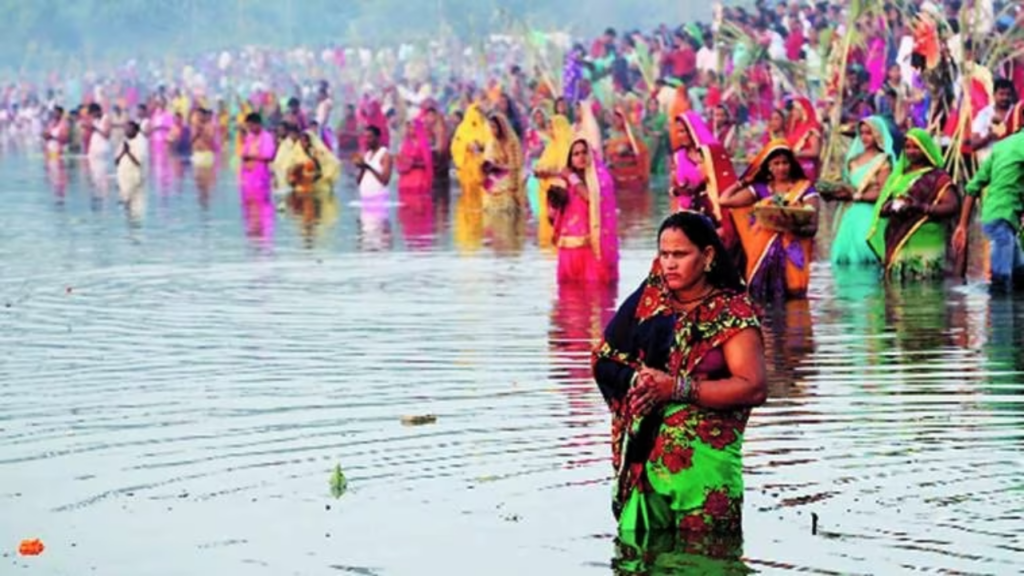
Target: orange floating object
(31, 547)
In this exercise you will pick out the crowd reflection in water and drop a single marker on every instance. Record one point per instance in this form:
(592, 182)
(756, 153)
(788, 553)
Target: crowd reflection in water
(789, 341)
(1006, 340)
(375, 233)
(578, 316)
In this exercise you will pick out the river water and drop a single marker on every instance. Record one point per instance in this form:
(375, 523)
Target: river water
(178, 380)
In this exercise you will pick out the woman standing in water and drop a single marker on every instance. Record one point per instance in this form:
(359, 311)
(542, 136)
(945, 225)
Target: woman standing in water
(312, 167)
(681, 366)
(415, 160)
(911, 231)
(548, 169)
(627, 155)
(471, 136)
(700, 169)
(804, 135)
(538, 136)
(585, 227)
(778, 261)
(56, 134)
(656, 135)
(503, 167)
(865, 171)
(258, 152)
(587, 127)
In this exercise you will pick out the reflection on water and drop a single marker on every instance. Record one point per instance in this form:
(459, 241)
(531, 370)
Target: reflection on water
(185, 365)
(663, 554)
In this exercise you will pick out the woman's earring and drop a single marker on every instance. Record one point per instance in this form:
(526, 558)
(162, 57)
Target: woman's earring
(708, 265)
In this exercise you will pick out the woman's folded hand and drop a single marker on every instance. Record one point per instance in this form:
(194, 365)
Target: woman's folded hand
(653, 388)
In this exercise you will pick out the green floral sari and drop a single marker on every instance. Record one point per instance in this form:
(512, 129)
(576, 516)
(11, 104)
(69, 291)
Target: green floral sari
(913, 246)
(679, 468)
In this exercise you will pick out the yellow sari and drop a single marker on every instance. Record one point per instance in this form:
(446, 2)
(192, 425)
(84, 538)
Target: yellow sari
(503, 164)
(314, 171)
(243, 112)
(552, 160)
(471, 136)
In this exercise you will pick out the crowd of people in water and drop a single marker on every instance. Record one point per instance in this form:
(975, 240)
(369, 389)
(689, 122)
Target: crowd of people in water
(897, 118)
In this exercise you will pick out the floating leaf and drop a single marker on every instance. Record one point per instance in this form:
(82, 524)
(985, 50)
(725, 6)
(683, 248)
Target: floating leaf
(339, 484)
(419, 420)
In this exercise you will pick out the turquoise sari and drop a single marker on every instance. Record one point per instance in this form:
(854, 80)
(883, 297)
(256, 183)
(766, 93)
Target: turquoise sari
(855, 221)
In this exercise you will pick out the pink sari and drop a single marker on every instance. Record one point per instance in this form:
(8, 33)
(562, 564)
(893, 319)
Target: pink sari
(415, 160)
(371, 114)
(586, 229)
(162, 122)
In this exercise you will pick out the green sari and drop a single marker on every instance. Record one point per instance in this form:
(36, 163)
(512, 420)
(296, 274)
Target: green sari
(680, 467)
(855, 220)
(913, 245)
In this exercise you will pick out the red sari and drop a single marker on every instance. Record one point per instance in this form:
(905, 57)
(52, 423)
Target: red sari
(803, 128)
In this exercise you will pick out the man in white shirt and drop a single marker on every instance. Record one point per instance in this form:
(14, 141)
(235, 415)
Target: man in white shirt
(130, 161)
(990, 124)
(707, 56)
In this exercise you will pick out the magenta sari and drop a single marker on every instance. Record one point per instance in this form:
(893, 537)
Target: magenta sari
(256, 175)
(875, 63)
(162, 121)
(689, 173)
(708, 178)
(586, 229)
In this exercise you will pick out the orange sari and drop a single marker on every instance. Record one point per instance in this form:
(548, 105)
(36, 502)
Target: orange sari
(778, 263)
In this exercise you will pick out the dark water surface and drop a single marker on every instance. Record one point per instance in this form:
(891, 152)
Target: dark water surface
(178, 380)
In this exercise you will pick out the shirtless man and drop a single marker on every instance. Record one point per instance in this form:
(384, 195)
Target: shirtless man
(203, 138)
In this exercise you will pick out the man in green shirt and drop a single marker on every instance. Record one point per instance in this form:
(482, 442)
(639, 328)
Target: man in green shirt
(1001, 176)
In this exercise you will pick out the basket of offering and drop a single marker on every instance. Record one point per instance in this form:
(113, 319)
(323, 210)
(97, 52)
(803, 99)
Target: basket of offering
(782, 218)
(833, 189)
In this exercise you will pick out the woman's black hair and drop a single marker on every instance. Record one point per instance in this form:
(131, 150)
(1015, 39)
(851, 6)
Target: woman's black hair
(575, 141)
(254, 117)
(701, 231)
(796, 172)
(501, 127)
